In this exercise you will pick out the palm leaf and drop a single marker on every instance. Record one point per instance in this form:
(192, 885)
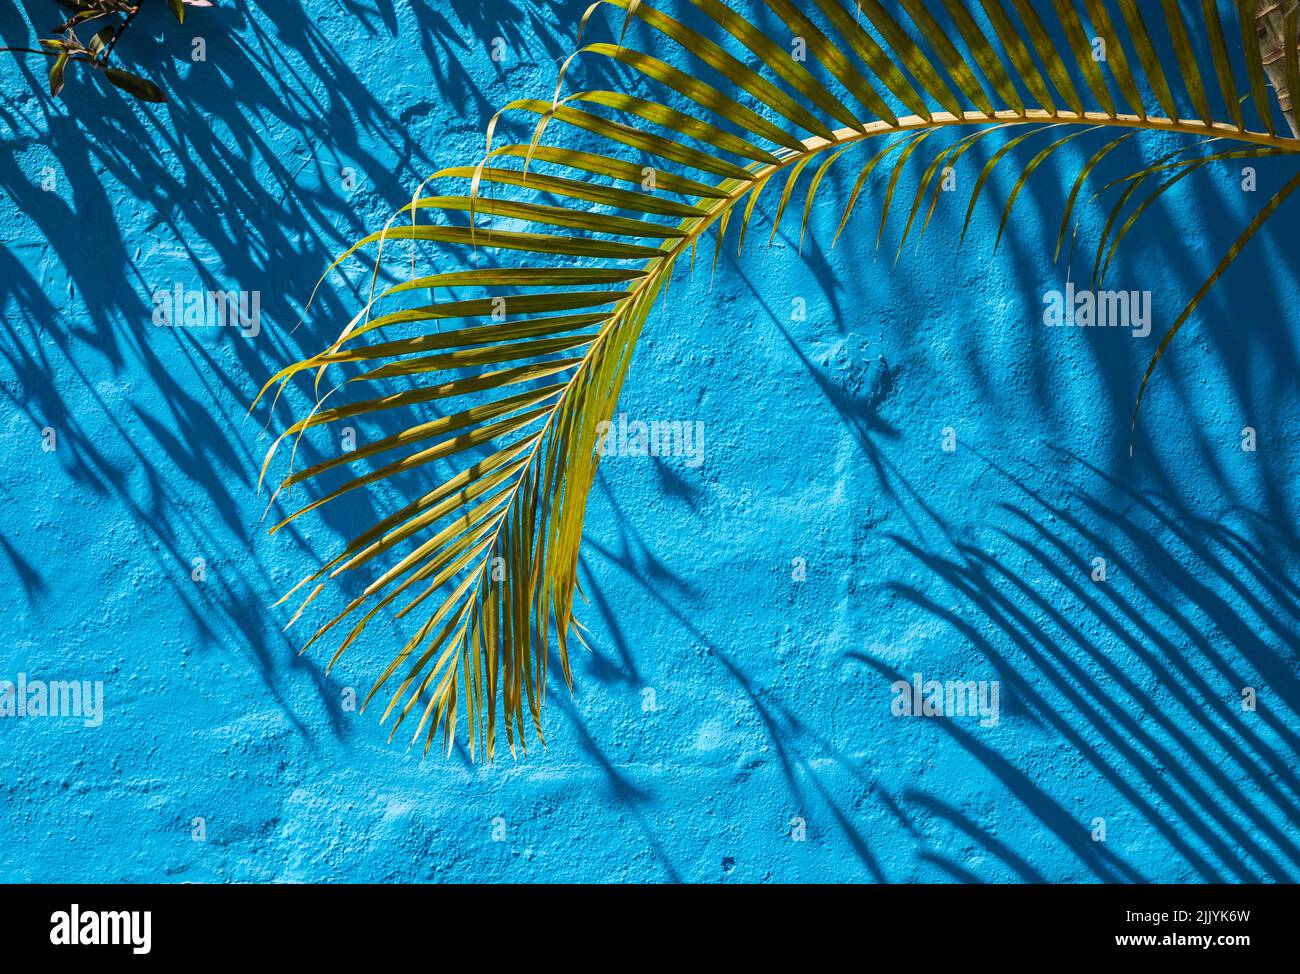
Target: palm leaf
(547, 256)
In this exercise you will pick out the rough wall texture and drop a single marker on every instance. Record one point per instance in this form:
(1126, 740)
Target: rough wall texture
(732, 705)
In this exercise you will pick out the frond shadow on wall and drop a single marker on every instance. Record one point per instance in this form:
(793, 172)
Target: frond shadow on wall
(235, 184)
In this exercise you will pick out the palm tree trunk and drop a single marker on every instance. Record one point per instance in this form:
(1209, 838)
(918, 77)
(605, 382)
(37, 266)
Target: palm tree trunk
(1270, 21)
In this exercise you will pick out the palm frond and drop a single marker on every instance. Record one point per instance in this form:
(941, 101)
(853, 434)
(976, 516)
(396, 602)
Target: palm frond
(563, 241)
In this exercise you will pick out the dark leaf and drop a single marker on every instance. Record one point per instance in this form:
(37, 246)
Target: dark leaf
(135, 85)
(100, 40)
(56, 74)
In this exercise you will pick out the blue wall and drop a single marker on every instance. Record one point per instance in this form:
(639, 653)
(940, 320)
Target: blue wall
(772, 697)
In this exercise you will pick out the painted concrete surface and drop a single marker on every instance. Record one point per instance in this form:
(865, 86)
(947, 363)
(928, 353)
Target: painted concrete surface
(749, 614)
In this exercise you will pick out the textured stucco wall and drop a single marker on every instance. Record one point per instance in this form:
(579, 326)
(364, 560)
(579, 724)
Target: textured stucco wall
(823, 443)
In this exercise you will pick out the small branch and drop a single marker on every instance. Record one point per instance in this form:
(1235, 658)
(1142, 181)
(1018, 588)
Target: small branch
(108, 48)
